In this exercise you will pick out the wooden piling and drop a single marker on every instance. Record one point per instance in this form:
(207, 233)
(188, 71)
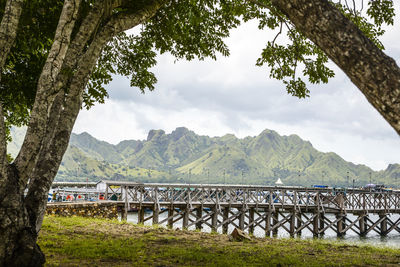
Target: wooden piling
(321, 224)
(315, 225)
(251, 221)
(185, 219)
(344, 223)
(298, 223)
(225, 217)
(362, 223)
(141, 215)
(275, 220)
(383, 224)
(268, 222)
(214, 219)
(292, 226)
(339, 224)
(199, 214)
(241, 218)
(170, 222)
(156, 212)
(124, 216)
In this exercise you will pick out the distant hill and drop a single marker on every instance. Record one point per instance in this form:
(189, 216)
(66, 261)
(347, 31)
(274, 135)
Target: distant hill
(184, 156)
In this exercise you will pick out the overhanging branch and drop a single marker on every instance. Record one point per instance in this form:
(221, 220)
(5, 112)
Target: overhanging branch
(8, 28)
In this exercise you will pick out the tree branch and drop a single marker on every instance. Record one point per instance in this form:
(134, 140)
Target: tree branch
(8, 28)
(372, 71)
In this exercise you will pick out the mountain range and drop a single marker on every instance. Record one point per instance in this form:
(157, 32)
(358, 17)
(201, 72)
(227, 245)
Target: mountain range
(184, 156)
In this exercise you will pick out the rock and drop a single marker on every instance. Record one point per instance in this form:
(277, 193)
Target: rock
(239, 235)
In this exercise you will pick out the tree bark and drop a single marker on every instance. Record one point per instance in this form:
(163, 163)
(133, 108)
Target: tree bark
(8, 28)
(375, 74)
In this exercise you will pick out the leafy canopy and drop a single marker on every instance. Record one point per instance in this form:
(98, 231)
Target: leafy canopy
(187, 30)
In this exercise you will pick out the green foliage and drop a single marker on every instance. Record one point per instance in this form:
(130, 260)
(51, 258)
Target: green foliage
(297, 53)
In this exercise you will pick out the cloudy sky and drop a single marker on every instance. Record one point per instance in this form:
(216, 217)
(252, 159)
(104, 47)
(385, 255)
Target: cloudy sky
(232, 95)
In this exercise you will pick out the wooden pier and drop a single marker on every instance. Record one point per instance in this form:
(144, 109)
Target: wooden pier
(268, 208)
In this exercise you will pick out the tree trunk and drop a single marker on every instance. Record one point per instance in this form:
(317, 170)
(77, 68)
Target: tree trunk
(372, 71)
(18, 236)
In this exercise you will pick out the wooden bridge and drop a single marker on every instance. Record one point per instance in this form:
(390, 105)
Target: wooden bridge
(292, 209)
(268, 208)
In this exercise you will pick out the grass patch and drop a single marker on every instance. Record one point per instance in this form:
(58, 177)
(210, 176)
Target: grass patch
(94, 242)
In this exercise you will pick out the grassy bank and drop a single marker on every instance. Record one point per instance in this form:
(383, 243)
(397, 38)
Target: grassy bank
(93, 242)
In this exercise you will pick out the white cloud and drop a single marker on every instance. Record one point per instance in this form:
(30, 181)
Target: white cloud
(232, 95)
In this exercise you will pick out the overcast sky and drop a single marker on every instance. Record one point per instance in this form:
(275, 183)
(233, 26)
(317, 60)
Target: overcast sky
(232, 95)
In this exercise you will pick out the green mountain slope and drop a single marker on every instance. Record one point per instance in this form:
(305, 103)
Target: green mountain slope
(184, 156)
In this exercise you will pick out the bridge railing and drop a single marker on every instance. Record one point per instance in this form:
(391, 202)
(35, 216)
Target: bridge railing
(324, 199)
(284, 197)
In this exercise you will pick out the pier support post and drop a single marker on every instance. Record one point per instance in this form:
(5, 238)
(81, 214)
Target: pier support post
(298, 223)
(185, 219)
(156, 212)
(344, 223)
(214, 219)
(225, 217)
(199, 213)
(170, 216)
(362, 224)
(141, 215)
(275, 220)
(339, 224)
(383, 224)
(268, 222)
(241, 218)
(292, 223)
(251, 221)
(321, 223)
(124, 215)
(315, 225)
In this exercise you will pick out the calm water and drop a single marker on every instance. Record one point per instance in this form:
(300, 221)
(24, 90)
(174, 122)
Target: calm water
(373, 238)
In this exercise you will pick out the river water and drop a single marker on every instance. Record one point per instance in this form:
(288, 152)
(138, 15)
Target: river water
(373, 238)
